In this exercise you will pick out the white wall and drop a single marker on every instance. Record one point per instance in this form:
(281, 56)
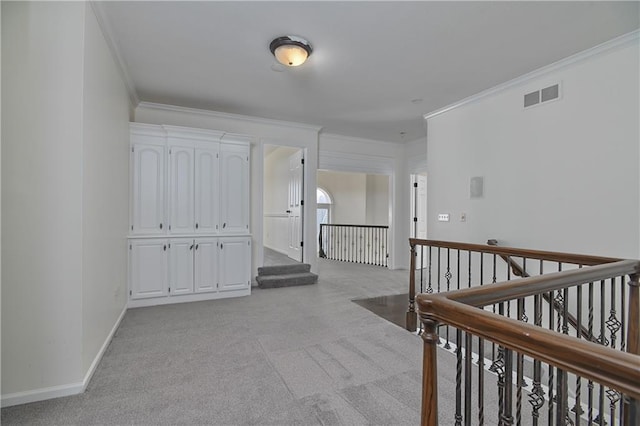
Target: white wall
(64, 198)
(105, 197)
(276, 199)
(349, 196)
(377, 210)
(42, 49)
(559, 176)
(265, 132)
(358, 198)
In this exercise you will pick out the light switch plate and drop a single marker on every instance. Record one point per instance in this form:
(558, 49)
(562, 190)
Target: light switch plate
(443, 217)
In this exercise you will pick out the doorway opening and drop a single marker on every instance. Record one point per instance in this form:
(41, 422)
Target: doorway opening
(283, 219)
(353, 216)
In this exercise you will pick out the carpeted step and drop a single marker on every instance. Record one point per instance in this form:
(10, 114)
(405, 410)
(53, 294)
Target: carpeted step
(286, 280)
(297, 268)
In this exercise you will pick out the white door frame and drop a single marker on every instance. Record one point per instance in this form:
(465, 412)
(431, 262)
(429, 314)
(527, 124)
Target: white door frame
(310, 152)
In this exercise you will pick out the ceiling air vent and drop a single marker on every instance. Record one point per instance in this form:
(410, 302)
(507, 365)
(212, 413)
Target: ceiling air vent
(544, 95)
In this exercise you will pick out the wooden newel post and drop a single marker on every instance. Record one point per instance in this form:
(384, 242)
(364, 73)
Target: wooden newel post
(429, 414)
(632, 406)
(412, 316)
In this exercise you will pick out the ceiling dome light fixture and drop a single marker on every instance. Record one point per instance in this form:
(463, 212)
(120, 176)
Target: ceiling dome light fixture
(291, 51)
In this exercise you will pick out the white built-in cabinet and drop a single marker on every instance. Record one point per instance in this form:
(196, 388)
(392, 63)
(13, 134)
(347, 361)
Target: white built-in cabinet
(190, 237)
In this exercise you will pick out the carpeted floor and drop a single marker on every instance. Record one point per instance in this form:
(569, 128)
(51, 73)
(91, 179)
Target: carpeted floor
(274, 258)
(299, 355)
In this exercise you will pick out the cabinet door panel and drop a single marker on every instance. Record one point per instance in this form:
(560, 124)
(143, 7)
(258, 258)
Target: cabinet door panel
(148, 189)
(235, 263)
(148, 268)
(206, 265)
(181, 266)
(207, 193)
(181, 189)
(234, 189)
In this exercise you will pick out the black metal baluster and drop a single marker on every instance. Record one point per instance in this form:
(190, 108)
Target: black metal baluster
(562, 384)
(590, 337)
(519, 369)
(492, 368)
(536, 396)
(379, 248)
(429, 286)
(468, 380)
(613, 325)
(481, 359)
(577, 408)
(549, 366)
(499, 366)
(421, 269)
(447, 276)
(507, 415)
(458, 377)
(624, 313)
(469, 282)
(439, 263)
(603, 341)
(480, 381)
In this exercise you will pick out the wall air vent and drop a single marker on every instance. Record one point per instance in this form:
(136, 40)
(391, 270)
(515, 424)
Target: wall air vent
(549, 93)
(540, 96)
(531, 98)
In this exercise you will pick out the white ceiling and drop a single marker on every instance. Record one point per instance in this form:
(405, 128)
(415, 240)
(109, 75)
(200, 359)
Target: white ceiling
(370, 59)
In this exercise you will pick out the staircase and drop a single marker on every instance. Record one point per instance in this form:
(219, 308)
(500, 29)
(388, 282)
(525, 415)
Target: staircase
(285, 276)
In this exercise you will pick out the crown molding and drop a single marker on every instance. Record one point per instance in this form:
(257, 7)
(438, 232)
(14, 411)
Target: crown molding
(352, 162)
(607, 46)
(392, 145)
(107, 33)
(228, 116)
(180, 132)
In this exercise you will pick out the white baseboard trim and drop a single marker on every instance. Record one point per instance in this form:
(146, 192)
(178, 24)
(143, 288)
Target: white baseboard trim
(185, 298)
(41, 394)
(98, 358)
(61, 390)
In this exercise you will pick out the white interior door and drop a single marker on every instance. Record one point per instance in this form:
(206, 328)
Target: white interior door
(294, 211)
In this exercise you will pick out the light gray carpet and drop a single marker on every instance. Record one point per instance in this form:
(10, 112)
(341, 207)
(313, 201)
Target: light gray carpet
(290, 356)
(274, 258)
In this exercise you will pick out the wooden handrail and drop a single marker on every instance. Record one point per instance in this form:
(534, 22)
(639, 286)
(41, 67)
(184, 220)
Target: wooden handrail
(552, 256)
(520, 272)
(604, 365)
(355, 226)
(613, 368)
(586, 357)
(523, 287)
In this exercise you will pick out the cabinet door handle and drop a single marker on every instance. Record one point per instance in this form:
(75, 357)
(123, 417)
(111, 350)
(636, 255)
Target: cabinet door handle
(160, 226)
(197, 246)
(191, 248)
(164, 247)
(221, 246)
(224, 225)
(288, 211)
(196, 225)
